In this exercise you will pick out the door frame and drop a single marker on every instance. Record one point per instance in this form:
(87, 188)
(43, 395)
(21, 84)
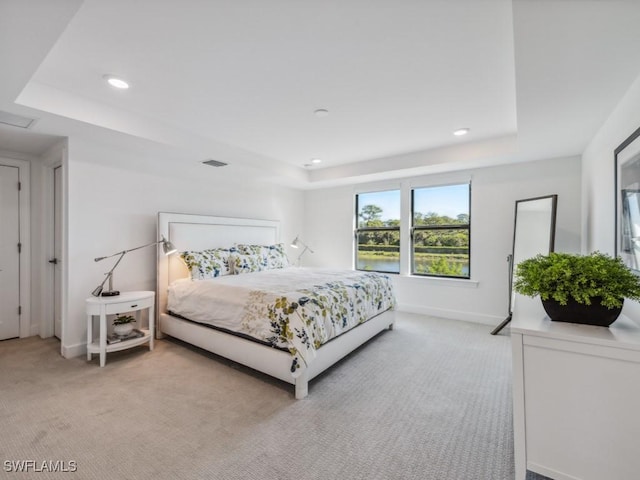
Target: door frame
(51, 160)
(24, 198)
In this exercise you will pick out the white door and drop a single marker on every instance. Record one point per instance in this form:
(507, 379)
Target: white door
(9, 253)
(57, 249)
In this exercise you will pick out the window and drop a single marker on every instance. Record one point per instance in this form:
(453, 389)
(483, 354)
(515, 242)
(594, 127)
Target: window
(378, 231)
(440, 231)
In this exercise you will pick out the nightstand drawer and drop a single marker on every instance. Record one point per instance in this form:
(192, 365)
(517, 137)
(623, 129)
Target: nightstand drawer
(129, 306)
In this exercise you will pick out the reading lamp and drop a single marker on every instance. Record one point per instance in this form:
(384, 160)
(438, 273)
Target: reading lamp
(296, 244)
(167, 248)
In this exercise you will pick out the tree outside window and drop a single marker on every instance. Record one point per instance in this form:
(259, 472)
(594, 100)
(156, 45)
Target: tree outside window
(378, 231)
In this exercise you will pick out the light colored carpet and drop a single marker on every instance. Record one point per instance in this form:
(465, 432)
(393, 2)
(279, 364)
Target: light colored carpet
(428, 400)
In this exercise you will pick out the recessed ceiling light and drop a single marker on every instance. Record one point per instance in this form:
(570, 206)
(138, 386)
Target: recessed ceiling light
(461, 131)
(116, 82)
(316, 160)
(321, 112)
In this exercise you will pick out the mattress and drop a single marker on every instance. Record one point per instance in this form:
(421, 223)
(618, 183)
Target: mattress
(294, 308)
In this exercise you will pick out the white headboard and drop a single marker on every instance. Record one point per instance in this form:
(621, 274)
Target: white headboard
(200, 232)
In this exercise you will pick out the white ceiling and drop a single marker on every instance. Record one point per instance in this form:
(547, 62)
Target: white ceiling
(239, 81)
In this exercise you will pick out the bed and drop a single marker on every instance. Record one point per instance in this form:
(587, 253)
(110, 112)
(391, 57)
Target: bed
(295, 358)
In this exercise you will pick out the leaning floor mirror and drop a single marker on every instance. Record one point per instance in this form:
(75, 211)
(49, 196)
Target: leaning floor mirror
(534, 233)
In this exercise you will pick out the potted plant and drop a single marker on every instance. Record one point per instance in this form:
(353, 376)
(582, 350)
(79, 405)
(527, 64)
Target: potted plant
(122, 325)
(578, 288)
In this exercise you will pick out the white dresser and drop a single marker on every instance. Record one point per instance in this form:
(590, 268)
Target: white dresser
(576, 396)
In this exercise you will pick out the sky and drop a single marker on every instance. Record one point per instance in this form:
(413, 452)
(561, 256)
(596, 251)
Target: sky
(450, 200)
(389, 201)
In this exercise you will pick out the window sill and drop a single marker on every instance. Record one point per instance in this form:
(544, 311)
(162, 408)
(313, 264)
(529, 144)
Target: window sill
(446, 282)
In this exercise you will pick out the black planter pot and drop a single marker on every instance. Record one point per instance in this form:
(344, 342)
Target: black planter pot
(574, 312)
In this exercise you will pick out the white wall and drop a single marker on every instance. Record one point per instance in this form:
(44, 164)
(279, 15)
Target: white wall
(111, 209)
(330, 221)
(598, 179)
(598, 174)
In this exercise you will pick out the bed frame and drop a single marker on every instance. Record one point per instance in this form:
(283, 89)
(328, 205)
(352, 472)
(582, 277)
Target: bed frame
(199, 232)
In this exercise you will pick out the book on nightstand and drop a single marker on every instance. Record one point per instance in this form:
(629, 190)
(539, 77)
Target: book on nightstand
(135, 333)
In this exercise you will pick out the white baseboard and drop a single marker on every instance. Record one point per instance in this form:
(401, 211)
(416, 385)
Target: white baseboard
(34, 330)
(548, 472)
(474, 317)
(76, 350)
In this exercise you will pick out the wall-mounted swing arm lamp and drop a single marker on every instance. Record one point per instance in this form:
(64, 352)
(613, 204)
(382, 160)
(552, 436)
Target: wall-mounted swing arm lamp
(296, 244)
(167, 247)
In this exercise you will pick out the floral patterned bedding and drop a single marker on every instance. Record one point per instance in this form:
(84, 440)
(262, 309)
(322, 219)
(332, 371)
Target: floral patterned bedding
(294, 308)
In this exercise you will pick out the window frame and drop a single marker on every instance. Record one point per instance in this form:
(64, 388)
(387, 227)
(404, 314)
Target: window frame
(358, 230)
(414, 228)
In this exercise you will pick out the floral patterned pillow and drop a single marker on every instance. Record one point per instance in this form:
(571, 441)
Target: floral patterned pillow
(273, 256)
(248, 263)
(207, 263)
(276, 257)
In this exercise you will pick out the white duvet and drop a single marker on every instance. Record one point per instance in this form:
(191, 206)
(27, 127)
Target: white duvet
(295, 308)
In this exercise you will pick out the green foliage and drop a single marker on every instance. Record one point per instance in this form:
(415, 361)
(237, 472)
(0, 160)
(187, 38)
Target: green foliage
(370, 213)
(441, 238)
(443, 251)
(382, 237)
(449, 251)
(561, 276)
(379, 249)
(123, 320)
(442, 267)
(432, 218)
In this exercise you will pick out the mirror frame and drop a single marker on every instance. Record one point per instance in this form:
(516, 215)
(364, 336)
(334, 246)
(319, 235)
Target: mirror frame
(552, 236)
(630, 149)
(511, 257)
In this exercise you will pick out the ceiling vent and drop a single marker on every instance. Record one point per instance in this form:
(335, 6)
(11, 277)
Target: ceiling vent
(16, 120)
(215, 163)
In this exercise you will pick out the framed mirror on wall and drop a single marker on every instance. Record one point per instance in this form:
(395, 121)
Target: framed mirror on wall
(627, 204)
(534, 233)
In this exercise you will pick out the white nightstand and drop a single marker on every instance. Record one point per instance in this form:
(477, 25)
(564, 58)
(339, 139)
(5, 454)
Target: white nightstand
(124, 303)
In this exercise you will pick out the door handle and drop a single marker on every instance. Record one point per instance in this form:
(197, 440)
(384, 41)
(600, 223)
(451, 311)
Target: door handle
(54, 261)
